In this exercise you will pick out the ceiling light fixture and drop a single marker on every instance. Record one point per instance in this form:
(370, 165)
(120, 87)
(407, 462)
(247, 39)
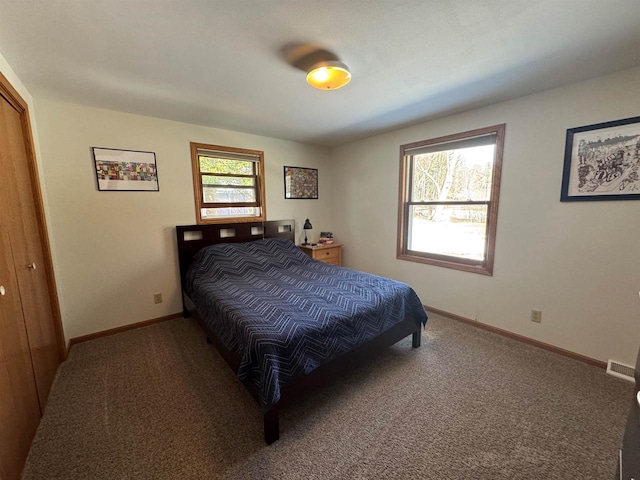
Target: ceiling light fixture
(328, 75)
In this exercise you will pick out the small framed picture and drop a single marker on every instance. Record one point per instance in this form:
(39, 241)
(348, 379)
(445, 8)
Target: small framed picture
(125, 170)
(300, 183)
(602, 162)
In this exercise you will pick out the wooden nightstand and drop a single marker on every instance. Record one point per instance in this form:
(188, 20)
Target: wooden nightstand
(331, 253)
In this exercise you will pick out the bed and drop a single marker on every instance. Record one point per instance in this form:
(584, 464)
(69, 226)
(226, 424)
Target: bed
(286, 323)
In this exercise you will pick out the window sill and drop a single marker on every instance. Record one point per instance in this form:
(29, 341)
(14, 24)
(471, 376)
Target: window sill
(479, 269)
(203, 221)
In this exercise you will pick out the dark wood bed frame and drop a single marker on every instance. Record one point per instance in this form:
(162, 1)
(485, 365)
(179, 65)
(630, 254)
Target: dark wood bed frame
(191, 238)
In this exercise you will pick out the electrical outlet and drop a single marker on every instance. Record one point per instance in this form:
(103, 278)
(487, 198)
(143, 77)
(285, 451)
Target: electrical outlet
(536, 316)
(157, 298)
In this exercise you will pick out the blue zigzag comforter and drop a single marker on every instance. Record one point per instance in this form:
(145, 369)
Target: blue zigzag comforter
(286, 314)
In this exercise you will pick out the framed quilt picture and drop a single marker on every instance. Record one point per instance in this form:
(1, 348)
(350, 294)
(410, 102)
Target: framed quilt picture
(300, 183)
(602, 162)
(125, 170)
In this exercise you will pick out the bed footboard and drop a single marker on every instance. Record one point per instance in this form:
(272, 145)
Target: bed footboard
(322, 375)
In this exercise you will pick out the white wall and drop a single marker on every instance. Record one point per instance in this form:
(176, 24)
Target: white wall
(115, 249)
(577, 262)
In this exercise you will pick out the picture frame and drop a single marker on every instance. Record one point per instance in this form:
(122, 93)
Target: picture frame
(602, 162)
(300, 183)
(125, 170)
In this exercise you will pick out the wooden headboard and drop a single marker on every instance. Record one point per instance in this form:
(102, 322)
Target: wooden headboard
(192, 238)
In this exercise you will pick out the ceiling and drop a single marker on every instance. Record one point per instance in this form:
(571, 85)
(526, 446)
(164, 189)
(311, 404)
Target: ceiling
(223, 63)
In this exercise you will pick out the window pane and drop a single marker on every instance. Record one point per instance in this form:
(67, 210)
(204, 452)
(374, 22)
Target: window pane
(229, 182)
(224, 165)
(213, 194)
(235, 181)
(462, 174)
(458, 231)
(209, 213)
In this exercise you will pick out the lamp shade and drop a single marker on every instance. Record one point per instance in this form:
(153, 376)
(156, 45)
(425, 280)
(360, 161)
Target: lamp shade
(328, 75)
(307, 225)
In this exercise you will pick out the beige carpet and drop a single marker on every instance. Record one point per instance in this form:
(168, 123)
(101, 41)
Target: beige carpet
(159, 403)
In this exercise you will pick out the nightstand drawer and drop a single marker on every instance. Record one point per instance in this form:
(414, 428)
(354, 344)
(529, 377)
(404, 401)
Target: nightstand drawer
(326, 254)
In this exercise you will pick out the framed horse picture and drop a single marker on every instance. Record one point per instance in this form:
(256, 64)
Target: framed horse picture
(602, 162)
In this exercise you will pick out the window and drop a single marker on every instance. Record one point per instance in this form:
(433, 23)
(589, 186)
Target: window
(449, 190)
(228, 184)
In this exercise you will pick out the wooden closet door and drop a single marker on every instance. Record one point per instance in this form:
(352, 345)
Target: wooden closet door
(19, 211)
(19, 408)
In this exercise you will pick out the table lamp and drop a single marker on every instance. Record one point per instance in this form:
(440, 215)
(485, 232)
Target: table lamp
(307, 226)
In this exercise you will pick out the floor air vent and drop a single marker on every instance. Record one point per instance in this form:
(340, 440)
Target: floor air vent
(620, 370)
